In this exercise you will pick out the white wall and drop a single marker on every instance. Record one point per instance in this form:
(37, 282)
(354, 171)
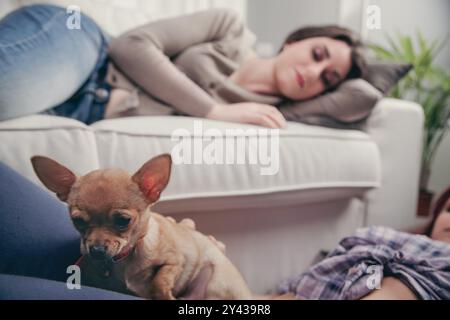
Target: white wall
(432, 18)
(273, 20)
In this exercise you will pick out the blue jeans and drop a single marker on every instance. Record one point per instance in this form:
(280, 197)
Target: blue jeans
(48, 68)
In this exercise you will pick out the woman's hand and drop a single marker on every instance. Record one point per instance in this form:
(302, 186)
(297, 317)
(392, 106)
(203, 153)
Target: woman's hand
(248, 112)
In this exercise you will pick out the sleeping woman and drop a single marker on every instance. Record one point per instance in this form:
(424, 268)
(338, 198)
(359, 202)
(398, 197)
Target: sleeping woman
(201, 64)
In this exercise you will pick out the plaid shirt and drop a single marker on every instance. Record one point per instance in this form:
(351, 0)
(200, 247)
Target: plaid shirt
(358, 264)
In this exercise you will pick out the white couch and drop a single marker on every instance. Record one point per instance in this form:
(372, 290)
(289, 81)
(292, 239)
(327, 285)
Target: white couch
(329, 181)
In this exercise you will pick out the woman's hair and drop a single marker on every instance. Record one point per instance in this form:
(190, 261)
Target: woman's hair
(436, 209)
(359, 65)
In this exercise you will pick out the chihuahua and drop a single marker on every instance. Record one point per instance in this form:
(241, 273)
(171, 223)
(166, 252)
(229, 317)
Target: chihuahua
(126, 246)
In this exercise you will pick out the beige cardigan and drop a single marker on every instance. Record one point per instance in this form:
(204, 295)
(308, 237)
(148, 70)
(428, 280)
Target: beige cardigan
(182, 66)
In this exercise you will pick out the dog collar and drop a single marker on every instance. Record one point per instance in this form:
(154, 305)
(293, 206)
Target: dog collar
(117, 258)
(123, 254)
(106, 266)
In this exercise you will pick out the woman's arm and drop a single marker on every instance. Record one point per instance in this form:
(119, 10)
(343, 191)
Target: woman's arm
(144, 54)
(391, 289)
(352, 101)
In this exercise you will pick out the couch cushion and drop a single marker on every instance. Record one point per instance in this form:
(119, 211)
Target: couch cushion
(66, 140)
(37, 238)
(314, 163)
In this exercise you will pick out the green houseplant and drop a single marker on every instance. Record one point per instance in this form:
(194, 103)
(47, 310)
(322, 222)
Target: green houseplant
(427, 84)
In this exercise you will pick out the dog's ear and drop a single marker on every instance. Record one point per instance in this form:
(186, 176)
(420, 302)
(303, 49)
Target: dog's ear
(54, 176)
(153, 176)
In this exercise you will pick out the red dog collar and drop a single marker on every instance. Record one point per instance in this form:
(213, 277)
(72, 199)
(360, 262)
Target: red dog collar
(117, 258)
(123, 254)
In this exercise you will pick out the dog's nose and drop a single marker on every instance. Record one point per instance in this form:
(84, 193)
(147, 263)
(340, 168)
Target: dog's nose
(97, 252)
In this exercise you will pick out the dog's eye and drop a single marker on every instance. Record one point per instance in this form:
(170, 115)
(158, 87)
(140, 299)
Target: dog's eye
(79, 223)
(121, 222)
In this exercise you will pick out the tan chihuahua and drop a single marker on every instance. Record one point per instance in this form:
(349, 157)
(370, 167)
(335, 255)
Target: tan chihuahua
(129, 248)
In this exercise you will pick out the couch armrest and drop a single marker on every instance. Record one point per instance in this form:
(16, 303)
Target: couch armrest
(396, 126)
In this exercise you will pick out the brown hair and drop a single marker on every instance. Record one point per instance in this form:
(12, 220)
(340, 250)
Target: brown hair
(359, 65)
(436, 209)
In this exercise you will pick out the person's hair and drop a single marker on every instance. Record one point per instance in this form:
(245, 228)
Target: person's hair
(436, 210)
(359, 64)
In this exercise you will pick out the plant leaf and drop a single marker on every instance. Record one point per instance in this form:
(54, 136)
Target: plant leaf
(407, 47)
(382, 53)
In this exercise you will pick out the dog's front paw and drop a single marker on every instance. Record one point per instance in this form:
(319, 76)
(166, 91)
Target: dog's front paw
(188, 223)
(171, 219)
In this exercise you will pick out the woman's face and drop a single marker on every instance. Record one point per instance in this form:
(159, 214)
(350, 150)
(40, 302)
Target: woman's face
(441, 229)
(307, 68)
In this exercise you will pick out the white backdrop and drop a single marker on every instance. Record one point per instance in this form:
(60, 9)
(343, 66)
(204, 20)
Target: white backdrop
(116, 16)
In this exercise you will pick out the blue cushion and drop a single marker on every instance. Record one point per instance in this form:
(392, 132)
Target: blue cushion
(37, 238)
(24, 288)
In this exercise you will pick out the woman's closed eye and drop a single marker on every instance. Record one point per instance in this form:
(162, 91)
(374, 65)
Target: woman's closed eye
(330, 78)
(320, 52)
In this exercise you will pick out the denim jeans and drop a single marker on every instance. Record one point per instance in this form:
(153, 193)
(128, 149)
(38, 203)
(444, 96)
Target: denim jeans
(47, 67)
